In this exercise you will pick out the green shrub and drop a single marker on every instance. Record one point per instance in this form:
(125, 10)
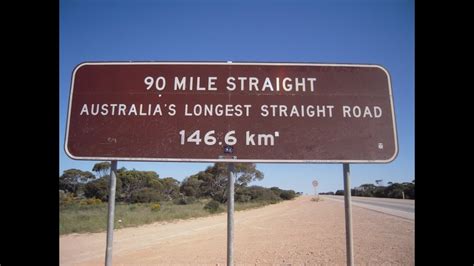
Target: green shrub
(276, 190)
(97, 189)
(287, 194)
(263, 194)
(145, 195)
(219, 197)
(184, 200)
(242, 198)
(213, 206)
(155, 207)
(66, 198)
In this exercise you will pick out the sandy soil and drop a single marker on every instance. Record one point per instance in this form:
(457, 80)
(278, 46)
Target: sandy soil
(297, 232)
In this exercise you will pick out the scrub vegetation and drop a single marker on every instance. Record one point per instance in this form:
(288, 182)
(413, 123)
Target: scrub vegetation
(143, 197)
(405, 190)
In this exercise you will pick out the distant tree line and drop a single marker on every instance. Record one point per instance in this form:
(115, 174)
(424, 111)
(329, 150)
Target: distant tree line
(393, 190)
(135, 186)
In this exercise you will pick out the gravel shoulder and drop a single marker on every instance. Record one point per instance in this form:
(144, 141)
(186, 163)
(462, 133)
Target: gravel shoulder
(294, 232)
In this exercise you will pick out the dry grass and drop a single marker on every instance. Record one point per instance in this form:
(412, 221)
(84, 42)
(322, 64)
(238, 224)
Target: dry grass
(77, 218)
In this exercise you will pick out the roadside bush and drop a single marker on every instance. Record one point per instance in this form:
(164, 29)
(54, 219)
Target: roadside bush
(263, 194)
(155, 207)
(242, 198)
(327, 193)
(213, 206)
(99, 188)
(220, 197)
(276, 190)
(65, 197)
(396, 193)
(287, 194)
(145, 195)
(184, 200)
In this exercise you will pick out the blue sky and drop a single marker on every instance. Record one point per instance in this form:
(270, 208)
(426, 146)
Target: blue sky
(369, 32)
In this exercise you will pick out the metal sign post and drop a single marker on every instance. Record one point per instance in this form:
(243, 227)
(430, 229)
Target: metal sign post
(230, 215)
(111, 214)
(348, 214)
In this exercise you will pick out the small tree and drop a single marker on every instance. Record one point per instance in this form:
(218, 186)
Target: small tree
(134, 180)
(213, 206)
(72, 179)
(191, 186)
(145, 195)
(99, 188)
(288, 194)
(244, 174)
(170, 187)
(101, 168)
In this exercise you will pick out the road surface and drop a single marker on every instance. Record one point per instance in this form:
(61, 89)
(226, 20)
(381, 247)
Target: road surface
(404, 208)
(296, 232)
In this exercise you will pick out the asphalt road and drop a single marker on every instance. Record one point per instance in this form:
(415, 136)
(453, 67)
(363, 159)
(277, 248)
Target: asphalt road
(398, 207)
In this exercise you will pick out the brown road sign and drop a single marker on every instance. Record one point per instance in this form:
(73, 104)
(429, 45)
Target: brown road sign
(255, 112)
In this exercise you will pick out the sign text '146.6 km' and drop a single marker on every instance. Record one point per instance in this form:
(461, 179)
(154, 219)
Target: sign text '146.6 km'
(209, 138)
